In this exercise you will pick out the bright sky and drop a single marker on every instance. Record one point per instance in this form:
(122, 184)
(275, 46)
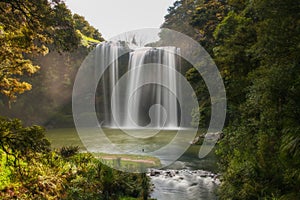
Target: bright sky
(113, 17)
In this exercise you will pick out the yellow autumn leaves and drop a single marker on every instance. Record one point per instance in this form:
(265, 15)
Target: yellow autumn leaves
(14, 50)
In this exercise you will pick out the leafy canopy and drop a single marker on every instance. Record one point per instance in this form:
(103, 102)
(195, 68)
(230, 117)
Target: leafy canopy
(27, 29)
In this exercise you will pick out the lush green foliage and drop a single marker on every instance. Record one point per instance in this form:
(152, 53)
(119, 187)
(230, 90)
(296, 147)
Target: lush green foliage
(30, 170)
(256, 47)
(262, 68)
(85, 28)
(21, 142)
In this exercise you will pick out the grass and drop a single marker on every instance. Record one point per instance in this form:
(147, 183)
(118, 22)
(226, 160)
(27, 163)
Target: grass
(129, 162)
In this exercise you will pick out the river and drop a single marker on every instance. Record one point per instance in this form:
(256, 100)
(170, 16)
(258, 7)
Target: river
(187, 178)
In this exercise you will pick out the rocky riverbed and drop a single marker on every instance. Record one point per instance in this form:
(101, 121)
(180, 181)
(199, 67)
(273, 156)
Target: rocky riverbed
(183, 184)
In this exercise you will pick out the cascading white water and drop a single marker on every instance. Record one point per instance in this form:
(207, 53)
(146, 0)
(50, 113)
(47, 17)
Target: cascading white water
(107, 55)
(136, 60)
(149, 106)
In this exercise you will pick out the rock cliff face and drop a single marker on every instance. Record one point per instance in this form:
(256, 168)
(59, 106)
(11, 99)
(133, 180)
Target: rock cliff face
(209, 136)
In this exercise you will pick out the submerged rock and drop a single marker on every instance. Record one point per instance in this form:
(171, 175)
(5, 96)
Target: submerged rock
(154, 172)
(183, 184)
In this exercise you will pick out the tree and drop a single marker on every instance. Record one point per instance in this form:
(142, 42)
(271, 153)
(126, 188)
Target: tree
(48, 103)
(235, 36)
(254, 150)
(20, 141)
(85, 28)
(205, 18)
(27, 29)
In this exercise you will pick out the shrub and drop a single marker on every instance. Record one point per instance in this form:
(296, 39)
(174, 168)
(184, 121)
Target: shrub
(68, 151)
(29, 169)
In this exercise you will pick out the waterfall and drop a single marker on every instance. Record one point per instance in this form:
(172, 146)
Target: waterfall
(140, 105)
(107, 55)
